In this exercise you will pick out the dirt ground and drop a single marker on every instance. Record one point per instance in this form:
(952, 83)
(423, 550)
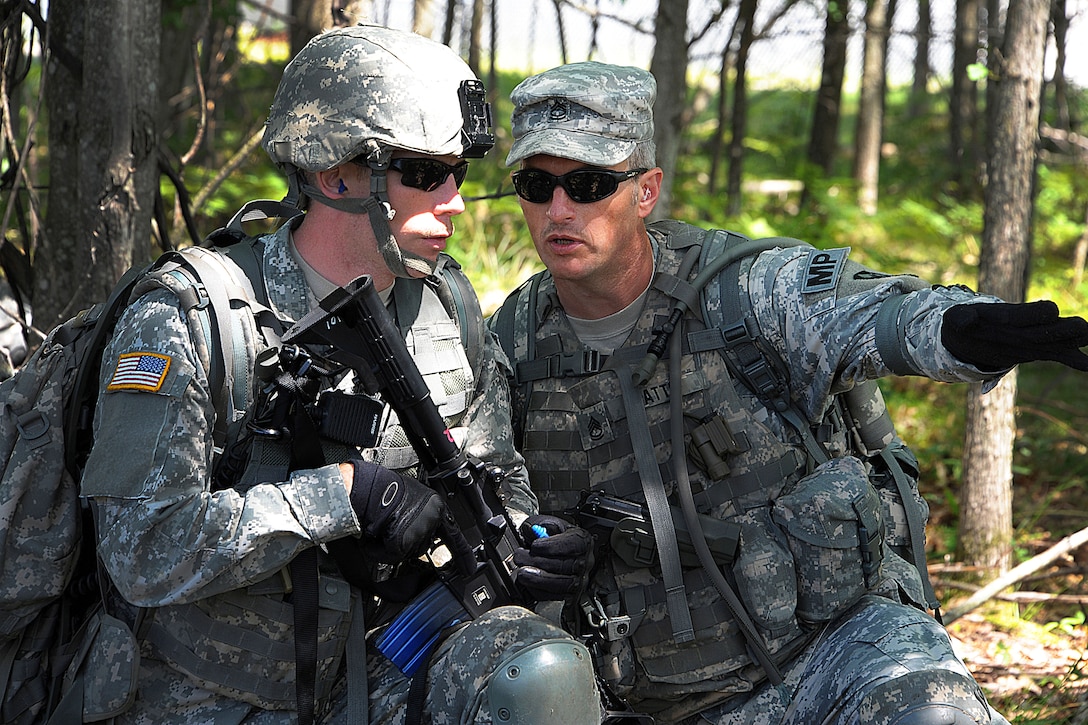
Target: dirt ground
(1031, 673)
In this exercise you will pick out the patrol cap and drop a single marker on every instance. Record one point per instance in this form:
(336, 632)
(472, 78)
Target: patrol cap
(591, 112)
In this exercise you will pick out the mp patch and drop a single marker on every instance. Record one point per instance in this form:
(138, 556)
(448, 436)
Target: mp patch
(140, 371)
(824, 268)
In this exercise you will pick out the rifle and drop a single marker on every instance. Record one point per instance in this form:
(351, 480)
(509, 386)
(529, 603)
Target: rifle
(352, 328)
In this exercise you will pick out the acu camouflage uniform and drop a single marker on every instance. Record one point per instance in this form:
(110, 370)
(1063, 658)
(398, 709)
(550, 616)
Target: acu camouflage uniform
(216, 642)
(847, 640)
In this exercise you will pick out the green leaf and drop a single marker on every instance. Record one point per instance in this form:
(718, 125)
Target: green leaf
(977, 72)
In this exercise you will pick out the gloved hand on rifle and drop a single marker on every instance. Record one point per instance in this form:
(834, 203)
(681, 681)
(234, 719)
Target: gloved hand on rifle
(558, 560)
(397, 513)
(996, 336)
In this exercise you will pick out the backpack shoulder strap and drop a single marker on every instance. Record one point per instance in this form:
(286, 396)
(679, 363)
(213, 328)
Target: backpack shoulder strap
(757, 366)
(220, 287)
(512, 336)
(460, 299)
(508, 332)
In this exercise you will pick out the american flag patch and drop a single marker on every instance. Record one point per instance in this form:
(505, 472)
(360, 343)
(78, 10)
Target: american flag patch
(140, 371)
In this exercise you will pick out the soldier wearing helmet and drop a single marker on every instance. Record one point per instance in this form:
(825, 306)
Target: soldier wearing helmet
(202, 535)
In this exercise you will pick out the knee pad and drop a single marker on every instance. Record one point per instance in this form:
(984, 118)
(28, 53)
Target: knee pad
(934, 715)
(550, 681)
(934, 697)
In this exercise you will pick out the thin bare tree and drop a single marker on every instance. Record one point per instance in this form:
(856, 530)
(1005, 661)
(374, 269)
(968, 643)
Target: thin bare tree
(985, 525)
(669, 67)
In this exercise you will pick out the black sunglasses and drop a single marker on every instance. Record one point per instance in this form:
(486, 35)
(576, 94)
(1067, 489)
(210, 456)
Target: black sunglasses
(428, 174)
(584, 186)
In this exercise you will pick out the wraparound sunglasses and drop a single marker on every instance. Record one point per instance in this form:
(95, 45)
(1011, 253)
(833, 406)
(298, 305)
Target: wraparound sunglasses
(584, 186)
(428, 174)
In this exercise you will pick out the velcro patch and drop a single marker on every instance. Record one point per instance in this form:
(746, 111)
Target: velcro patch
(824, 268)
(140, 371)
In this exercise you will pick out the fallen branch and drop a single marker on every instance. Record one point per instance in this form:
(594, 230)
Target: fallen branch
(1019, 597)
(1017, 574)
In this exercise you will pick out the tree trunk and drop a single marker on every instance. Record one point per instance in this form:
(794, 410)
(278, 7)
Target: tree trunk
(722, 108)
(824, 140)
(561, 29)
(493, 55)
(870, 121)
(451, 21)
(475, 37)
(985, 537)
(669, 67)
(985, 523)
(963, 101)
(923, 35)
(746, 18)
(103, 144)
(1060, 19)
(315, 16)
(423, 17)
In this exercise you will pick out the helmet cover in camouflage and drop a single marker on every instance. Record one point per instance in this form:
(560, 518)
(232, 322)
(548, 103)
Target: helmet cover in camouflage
(351, 85)
(590, 112)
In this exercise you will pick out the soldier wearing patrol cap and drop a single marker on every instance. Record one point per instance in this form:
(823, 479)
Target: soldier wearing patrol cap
(373, 127)
(692, 396)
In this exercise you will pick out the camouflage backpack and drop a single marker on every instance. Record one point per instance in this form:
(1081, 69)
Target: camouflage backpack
(49, 578)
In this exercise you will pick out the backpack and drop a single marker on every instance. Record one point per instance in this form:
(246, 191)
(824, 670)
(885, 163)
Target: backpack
(759, 368)
(49, 583)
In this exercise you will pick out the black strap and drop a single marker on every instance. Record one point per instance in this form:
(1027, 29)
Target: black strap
(889, 337)
(305, 453)
(461, 300)
(304, 599)
(417, 694)
(657, 503)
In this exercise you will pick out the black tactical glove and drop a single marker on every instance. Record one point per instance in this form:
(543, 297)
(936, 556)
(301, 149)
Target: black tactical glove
(398, 514)
(996, 336)
(558, 561)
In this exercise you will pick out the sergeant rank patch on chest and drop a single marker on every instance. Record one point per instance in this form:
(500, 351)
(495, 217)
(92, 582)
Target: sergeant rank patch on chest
(824, 268)
(140, 371)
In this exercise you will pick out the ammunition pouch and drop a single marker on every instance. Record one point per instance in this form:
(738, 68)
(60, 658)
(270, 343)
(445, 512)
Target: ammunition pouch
(835, 531)
(100, 682)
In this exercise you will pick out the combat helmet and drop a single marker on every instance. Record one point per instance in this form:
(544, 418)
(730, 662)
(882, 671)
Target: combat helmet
(359, 93)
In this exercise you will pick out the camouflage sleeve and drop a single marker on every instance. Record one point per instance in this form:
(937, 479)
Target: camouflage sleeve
(819, 310)
(164, 534)
(489, 435)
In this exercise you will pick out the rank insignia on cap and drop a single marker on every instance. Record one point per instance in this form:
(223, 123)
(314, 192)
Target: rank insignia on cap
(140, 371)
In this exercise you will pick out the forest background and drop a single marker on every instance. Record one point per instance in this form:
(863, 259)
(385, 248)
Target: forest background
(872, 124)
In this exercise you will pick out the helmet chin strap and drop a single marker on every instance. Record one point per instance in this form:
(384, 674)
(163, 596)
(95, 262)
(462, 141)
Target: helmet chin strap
(376, 206)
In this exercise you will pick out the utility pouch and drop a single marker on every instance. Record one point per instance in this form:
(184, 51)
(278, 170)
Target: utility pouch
(766, 580)
(835, 532)
(100, 682)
